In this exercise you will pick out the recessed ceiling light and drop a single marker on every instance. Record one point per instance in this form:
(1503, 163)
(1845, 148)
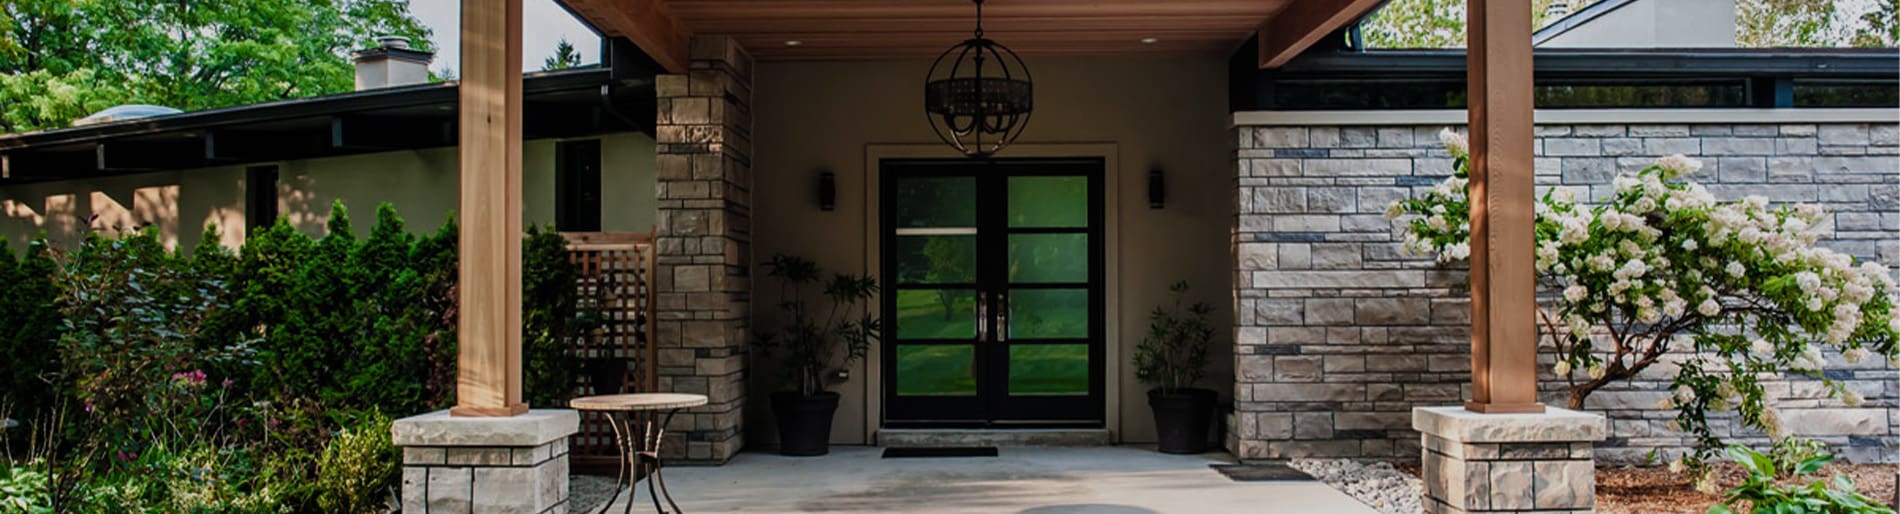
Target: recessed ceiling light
(794, 43)
(1148, 40)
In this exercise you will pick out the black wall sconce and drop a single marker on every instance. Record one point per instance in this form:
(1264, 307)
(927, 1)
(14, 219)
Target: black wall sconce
(827, 191)
(1157, 190)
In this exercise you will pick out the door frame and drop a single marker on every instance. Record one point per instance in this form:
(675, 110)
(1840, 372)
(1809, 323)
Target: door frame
(1112, 179)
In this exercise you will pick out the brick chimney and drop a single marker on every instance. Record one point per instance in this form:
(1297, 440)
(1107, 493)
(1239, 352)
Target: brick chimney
(391, 63)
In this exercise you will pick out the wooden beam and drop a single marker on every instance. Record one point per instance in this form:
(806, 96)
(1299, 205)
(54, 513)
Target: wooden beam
(1296, 27)
(1503, 286)
(488, 317)
(650, 24)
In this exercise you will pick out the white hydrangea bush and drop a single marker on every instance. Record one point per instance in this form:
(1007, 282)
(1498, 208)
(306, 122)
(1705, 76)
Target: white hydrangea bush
(1661, 266)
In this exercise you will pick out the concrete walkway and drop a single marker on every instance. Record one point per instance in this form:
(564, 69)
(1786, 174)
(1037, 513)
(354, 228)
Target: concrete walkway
(1105, 480)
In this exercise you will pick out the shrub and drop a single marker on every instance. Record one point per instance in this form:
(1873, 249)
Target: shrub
(29, 330)
(551, 320)
(360, 469)
(1664, 267)
(25, 489)
(1174, 354)
(1761, 492)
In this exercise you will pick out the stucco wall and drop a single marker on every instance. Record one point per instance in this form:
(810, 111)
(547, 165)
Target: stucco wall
(1156, 114)
(421, 184)
(1656, 24)
(1340, 335)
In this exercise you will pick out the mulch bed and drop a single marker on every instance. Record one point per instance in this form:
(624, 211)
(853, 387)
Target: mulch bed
(1657, 491)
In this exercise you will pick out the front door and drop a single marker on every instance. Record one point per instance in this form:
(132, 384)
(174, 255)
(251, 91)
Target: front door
(992, 304)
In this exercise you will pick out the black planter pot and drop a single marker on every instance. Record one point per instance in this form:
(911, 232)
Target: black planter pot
(1182, 418)
(804, 422)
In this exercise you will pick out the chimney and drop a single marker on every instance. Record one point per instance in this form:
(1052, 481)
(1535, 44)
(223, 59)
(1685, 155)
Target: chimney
(1557, 10)
(391, 63)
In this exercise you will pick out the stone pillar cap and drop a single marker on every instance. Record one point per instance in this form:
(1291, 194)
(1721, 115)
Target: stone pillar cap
(1551, 426)
(533, 428)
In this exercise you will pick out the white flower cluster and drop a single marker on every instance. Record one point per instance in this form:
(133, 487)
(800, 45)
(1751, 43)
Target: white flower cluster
(1663, 259)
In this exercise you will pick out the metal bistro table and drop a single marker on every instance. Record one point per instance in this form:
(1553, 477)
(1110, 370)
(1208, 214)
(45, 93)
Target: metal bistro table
(640, 451)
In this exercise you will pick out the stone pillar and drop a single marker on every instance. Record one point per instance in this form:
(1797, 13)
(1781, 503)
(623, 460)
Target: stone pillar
(1508, 462)
(703, 233)
(460, 465)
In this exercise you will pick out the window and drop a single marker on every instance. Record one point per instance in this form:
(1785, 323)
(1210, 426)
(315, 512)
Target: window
(577, 186)
(260, 197)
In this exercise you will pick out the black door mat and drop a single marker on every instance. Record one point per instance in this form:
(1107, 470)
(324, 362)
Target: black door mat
(1267, 472)
(962, 451)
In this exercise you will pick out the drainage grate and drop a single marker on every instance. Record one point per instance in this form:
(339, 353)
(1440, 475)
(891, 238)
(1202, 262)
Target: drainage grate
(1261, 473)
(963, 451)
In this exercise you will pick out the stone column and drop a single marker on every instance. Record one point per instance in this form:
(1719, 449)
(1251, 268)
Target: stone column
(703, 233)
(459, 465)
(1508, 462)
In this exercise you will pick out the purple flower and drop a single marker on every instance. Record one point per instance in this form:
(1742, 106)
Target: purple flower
(190, 378)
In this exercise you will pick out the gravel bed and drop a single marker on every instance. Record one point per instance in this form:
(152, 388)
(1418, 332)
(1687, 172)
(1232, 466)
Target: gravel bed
(586, 493)
(1378, 484)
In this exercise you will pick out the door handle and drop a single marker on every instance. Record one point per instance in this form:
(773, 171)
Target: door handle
(982, 316)
(1002, 318)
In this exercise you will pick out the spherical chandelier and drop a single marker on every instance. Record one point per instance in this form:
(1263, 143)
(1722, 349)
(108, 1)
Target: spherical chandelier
(978, 95)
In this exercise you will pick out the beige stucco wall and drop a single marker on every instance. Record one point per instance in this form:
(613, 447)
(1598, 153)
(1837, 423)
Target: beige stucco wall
(421, 184)
(1656, 24)
(1155, 114)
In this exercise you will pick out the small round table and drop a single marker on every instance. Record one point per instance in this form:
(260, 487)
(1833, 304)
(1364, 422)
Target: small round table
(642, 449)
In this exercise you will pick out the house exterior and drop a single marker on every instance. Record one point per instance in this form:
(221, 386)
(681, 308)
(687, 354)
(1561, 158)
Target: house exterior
(1245, 148)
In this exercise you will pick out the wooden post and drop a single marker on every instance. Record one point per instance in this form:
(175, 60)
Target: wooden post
(1503, 286)
(488, 319)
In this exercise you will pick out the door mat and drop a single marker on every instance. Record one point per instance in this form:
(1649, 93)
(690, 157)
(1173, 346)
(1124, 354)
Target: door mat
(961, 451)
(1267, 472)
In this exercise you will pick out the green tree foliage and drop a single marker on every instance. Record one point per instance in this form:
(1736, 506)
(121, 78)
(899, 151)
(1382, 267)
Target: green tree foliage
(1758, 23)
(63, 59)
(1435, 23)
(565, 56)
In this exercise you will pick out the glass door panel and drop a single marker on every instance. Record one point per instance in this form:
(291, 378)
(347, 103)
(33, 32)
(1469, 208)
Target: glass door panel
(992, 276)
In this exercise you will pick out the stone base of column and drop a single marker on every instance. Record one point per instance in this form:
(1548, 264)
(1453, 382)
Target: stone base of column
(460, 465)
(1541, 463)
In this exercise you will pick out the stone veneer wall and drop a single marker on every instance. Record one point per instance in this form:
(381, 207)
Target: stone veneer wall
(1339, 335)
(703, 235)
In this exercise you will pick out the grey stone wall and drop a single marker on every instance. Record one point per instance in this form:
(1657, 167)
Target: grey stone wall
(703, 234)
(1339, 335)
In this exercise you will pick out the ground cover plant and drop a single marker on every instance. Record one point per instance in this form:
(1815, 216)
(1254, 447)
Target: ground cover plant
(256, 379)
(1660, 267)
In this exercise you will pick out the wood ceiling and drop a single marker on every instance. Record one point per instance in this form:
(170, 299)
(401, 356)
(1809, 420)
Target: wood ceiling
(916, 29)
(921, 29)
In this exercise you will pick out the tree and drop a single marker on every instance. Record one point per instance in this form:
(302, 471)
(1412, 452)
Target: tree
(564, 57)
(1435, 23)
(1782, 23)
(1879, 27)
(1735, 290)
(62, 59)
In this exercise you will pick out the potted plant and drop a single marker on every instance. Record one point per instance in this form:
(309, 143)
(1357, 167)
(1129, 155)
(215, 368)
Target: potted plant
(817, 337)
(1171, 359)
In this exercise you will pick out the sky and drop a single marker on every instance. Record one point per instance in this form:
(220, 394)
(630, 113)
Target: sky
(543, 25)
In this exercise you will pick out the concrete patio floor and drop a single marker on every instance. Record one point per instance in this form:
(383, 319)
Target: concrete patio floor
(1101, 480)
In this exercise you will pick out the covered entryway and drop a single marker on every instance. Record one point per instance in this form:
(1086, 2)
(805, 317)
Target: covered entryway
(993, 280)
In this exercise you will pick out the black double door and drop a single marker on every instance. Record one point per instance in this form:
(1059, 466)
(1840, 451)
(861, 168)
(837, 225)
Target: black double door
(992, 304)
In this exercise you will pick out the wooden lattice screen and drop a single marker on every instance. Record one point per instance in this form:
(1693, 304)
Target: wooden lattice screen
(615, 284)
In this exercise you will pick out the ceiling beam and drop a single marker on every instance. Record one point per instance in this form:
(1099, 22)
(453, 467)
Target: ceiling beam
(1295, 28)
(650, 24)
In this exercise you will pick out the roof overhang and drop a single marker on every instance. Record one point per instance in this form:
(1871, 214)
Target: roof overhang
(570, 103)
(921, 29)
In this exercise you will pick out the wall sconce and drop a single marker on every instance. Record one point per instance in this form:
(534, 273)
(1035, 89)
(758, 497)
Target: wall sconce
(1157, 190)
(827, 191)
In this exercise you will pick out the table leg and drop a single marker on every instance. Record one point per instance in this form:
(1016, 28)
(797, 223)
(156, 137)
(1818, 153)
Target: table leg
(623, 478)
(658, 464)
